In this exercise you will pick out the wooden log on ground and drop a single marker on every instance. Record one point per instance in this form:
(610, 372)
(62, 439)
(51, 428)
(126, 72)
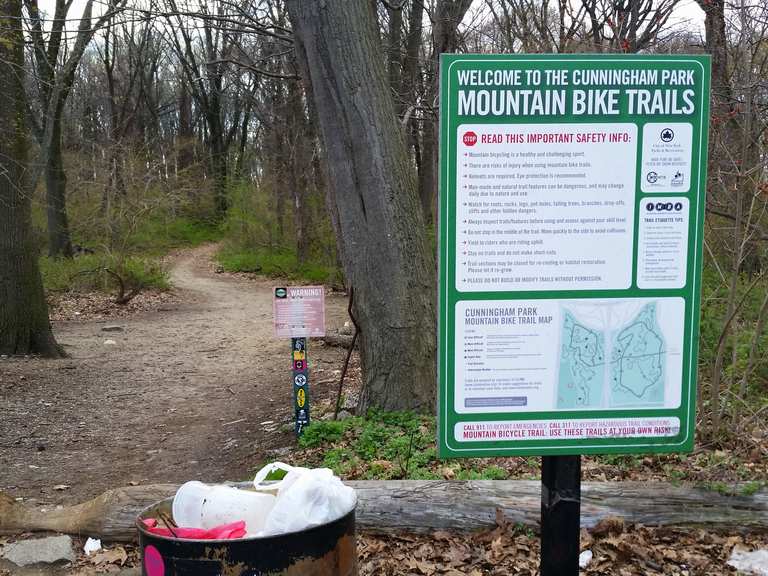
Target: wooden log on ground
(412, 505)
(425, 505)
(110, 516)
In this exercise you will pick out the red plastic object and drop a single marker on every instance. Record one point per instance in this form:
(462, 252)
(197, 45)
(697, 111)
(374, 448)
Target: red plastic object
(223, 532)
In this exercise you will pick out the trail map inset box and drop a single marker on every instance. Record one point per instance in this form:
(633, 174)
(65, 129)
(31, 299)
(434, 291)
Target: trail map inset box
(571, 219)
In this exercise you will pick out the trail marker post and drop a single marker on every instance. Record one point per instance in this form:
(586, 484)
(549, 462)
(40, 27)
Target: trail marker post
(572, 197)
(299, 313)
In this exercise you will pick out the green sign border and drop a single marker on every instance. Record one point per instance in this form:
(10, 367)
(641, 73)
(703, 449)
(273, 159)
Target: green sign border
(448, 295)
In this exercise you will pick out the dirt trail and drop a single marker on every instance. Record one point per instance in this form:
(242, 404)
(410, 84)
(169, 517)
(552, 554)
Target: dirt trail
(199, 389)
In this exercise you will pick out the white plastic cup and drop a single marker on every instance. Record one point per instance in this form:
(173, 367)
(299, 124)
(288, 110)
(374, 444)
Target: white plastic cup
(187, 503)
(197, 505)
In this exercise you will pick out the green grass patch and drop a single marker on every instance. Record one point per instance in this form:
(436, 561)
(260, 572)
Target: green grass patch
(89, 273)
(278, 263)
(386, 445)
(160, 235)
(620, 461)
(135, 260)
(398, 445)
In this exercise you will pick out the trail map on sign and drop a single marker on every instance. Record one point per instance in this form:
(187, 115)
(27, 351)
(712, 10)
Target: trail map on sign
(633, 366)
(638, 359)
(582, 365)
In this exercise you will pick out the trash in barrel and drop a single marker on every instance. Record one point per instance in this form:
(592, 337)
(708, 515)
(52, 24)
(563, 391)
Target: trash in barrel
(303, 525)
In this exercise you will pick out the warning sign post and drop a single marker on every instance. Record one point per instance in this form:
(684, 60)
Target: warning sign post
(299, 312)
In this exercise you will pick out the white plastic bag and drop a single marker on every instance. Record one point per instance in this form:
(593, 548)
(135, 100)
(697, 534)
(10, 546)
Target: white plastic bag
(91, 545)
(314, 497)
(292, 474)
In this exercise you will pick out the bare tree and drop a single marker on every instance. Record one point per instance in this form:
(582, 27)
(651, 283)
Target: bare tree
(205, 43)
(55, 64)
(446, 19)
(737, 205)
(24, 325)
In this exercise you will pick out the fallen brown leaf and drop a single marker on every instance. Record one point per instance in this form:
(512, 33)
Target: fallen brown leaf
(608, 525)
(116, 555)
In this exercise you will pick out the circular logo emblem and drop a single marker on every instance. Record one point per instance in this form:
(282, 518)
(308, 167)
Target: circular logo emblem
(667, 135)
(649, 207)
(300, 379)
(469, 138)
(678, 206)
(652, 177)
(281, 292)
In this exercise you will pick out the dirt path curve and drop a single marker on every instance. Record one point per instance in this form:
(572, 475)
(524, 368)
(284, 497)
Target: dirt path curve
(198, 389)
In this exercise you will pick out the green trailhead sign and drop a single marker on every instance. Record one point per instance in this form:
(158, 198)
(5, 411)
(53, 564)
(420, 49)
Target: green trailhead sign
(572, 206)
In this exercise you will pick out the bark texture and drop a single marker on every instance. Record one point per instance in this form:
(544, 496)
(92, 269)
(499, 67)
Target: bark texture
(24, 325)
(382, 237)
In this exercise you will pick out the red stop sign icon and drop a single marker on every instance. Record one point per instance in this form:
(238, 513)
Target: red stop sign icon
(469, 138)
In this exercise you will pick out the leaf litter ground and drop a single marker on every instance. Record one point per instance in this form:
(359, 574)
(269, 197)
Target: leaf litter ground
(356, 453)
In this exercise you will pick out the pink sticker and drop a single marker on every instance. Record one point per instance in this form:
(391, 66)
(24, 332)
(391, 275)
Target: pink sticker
(153, 562)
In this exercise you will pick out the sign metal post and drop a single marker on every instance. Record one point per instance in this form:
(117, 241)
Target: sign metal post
(572, 199)
(299, 312)
(560, 515)
(299, 363)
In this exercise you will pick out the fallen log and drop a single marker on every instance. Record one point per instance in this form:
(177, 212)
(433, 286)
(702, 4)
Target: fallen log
(110, 516)
(426, 505)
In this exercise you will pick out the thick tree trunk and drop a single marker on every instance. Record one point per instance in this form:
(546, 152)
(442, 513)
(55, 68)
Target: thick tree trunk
(218, 150)
(24, 325)
(115, 186)
(397, 506)
(219, 171)
(185, 139)
(242, 144)
(59, 242)
(299, 170)
(382, 235)
(723, 131)
(428, 171)
(279, 177)
(407, 102)
(394, 65)
(411, 63)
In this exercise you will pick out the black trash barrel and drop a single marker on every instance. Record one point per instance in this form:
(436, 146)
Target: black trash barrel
(326, 550)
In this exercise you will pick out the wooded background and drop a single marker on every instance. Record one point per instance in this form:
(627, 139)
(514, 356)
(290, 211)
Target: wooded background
(303, 136)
